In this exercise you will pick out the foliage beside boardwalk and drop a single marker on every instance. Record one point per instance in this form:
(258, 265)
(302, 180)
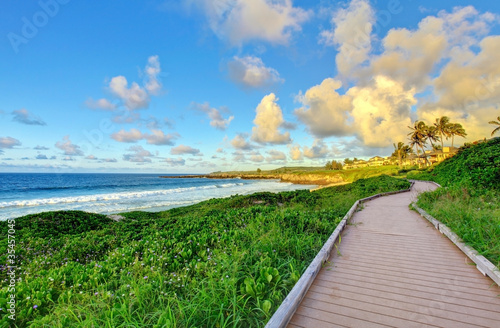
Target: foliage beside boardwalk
(469, 202)
(220, 263)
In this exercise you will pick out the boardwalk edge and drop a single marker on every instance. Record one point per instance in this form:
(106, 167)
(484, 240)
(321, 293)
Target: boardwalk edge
(482, 264)
(288, 307)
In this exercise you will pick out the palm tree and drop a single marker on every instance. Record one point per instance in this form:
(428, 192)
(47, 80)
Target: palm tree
(456, 129)
(432, 135)
(495, 123)
(442, 125)
(418, 137)
(401, 151)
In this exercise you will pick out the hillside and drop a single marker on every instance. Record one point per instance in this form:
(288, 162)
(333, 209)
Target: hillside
(469, 202)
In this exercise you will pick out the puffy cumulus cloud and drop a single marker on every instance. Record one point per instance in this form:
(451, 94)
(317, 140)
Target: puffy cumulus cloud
(183, 150)
(324, 111)
(240, 142)
(110, 160)
(91, 157)
(381, 112)
(296, 153)
(410, 56)
(275, 155)
(131, 96)
(239, 156)
(175, 161)
(9, 142)
(156, 137)
(216, 119)
(131, 136)
(134, 97)
(351, 32)
(68, 147)
(38, 147)
(250, 72)
(318, 150)
(153, 85)
(240, 21)
(41, 156)
(268, 120)
(159, 138)
(468, 92)
(256, 157)
(102, 103)
(138, 155)
(25, 117)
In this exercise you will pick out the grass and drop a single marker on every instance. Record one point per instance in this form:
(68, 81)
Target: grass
(220, 263)
(469, 202)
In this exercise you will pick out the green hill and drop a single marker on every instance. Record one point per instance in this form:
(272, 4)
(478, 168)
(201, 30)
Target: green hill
(469, 202)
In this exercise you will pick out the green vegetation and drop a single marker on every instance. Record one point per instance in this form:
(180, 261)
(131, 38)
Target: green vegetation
(220, 263)
(469, 203)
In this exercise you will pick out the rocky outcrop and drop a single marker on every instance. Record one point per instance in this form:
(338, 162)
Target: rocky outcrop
(305, 178)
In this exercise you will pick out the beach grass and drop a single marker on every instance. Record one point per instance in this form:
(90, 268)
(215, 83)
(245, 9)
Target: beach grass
(220, 263)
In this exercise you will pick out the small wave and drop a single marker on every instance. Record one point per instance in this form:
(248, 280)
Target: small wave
(107, 197)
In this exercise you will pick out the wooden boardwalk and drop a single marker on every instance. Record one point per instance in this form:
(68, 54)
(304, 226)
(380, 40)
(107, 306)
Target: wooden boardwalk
(393, 269)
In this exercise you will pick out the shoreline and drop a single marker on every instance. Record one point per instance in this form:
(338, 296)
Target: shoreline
(318, 180)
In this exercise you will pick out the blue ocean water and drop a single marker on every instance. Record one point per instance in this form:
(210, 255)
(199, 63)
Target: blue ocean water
(29, 193)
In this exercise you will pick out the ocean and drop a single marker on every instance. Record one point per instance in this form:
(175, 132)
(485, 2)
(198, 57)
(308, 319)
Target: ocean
(30, 193)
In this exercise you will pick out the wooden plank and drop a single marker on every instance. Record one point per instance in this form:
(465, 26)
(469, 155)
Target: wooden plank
(286, 310)
(483, 265)
(394, 270)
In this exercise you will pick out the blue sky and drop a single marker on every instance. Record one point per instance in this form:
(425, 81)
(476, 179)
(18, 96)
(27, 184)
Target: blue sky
(200, 86)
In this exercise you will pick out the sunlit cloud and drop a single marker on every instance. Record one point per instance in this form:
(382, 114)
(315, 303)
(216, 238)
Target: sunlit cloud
(240, 21)
(268, 120)
(250, 72)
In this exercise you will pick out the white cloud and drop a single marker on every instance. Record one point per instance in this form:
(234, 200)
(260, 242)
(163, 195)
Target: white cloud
(250, 72)
(182, 149)
(134, 97)
(158, 137)
(153, 85)
(268, 120)
(175, 161)
(9, 142)
(256, 157)
(240, 21)
(216, 119)
(102, 103)
(318, 150)
(381, 112)
(352, 35)
(325, 112)
(91, 157)
(110, 160)
(25, 117)
(240, 142)
(40, 148)
(296, 153)
(275, 155)
(68, 147)
(41, 156)
(131, 136)
(138, 155)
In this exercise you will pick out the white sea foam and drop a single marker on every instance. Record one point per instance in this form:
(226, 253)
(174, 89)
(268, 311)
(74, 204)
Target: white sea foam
(110, 196)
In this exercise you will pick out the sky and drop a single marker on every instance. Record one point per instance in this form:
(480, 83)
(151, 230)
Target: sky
(196, 86)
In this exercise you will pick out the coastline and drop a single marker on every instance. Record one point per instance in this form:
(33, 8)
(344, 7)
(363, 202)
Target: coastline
(318, 180)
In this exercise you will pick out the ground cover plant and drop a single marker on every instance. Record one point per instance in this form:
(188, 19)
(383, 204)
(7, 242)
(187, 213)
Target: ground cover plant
(220, 263)
(469, 202)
